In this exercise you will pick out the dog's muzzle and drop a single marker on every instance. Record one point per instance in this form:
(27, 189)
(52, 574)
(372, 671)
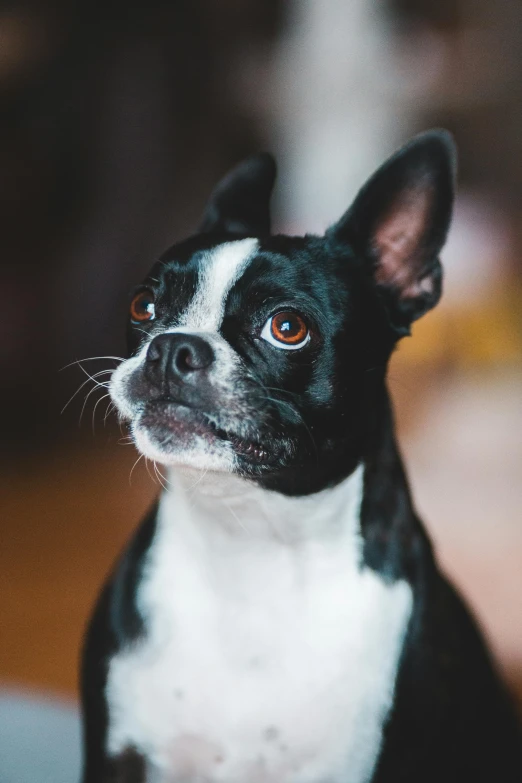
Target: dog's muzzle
(189, 393)
(174, 360)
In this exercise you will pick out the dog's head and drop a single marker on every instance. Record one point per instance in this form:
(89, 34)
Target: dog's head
(265, 355)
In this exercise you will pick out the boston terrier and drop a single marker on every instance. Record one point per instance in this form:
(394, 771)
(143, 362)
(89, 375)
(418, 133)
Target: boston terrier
(279, 616)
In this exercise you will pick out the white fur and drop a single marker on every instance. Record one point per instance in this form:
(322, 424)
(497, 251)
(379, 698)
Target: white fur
(200, 455)
(270, 652)
(121, 377)
(218, 272)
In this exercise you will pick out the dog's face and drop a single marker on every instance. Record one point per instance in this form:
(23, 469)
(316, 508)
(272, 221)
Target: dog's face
(265, 355)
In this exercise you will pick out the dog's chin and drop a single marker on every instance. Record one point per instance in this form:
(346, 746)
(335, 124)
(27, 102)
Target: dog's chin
(197, 453)
(175, 435)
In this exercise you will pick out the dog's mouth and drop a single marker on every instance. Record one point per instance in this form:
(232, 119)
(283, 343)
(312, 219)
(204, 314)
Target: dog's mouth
(172, 423)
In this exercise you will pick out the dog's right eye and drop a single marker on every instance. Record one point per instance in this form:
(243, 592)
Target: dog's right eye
(142, 307)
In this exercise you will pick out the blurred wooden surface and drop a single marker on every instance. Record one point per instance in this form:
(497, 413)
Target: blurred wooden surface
(63, 517)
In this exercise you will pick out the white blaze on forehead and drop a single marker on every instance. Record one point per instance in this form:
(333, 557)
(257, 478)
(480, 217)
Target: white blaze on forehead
(219, 270)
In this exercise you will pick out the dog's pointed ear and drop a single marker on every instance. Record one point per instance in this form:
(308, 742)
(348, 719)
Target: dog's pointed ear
(240, 204)
(398, 224)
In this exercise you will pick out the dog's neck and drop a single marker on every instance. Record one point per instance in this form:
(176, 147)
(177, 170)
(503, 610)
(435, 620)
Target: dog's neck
(372, 499)
(230, 507)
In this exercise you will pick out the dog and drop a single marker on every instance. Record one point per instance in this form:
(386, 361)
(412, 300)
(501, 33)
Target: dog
(279, 616)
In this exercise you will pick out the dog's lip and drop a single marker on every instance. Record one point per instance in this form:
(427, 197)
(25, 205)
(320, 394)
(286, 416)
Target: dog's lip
(203, 424)
(178, 417)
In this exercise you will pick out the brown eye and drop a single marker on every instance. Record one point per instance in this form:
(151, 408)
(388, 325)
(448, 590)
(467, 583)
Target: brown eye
(286, 330)
(142, 307)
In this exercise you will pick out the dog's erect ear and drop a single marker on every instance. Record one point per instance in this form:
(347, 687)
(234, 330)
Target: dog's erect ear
(240, 204)
(398, 224)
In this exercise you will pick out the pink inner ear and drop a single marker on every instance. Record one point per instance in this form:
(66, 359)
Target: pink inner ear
(398, 243)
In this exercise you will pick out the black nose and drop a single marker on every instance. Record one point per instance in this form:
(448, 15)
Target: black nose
(176, 357)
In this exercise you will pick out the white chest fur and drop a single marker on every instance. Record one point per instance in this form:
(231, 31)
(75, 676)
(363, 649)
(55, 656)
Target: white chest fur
(270, 654)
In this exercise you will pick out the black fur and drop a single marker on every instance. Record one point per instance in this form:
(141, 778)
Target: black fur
(240, 203)
(115, 623)
(318, 412)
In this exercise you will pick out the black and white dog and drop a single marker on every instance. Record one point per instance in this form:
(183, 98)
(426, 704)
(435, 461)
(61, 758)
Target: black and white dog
(279, 617)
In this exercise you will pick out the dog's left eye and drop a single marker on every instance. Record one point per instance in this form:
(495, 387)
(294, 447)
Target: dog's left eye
(142, 307)
(286, 330)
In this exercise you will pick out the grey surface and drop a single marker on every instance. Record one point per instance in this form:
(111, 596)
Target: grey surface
(39, 739)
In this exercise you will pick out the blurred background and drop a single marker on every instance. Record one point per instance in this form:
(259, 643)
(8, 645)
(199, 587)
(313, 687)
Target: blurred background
(116, 119)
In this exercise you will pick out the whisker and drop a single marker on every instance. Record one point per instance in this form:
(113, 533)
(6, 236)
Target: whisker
(166, 480)
(377, 367)
(103, 397)
(148, 471)
(300, 418)
(281, 391)
(94, 388)
(81, 387)
(109, 409)
(198, 480)
(132, 469)
(160, 476)
(93, 377)
(126, 440)
(241, 525)
(91, 359)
